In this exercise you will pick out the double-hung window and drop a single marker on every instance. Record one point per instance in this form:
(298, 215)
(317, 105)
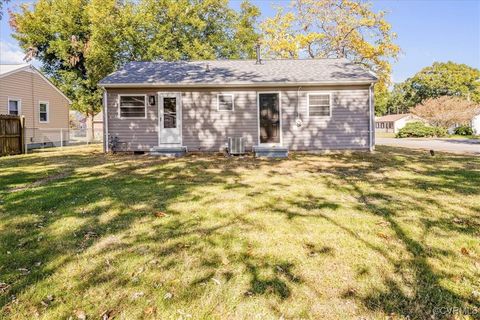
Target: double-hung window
(43, 112)
(13, 107)
(319, 105)
(133, 106)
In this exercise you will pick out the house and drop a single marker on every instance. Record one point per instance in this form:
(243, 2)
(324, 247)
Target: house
(475, 123)
(25, 91)
(314, 104)
(393, 122)
(80, 126)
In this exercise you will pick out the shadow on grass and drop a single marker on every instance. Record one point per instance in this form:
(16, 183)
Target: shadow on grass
(135, 190)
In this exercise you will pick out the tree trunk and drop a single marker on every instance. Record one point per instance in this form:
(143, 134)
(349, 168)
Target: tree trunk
(91, 132)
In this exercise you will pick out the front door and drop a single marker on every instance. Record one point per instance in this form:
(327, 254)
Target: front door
(269, 113)
(170, 119)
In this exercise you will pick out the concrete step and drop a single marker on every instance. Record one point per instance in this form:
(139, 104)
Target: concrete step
(271, 152)
(168, 151)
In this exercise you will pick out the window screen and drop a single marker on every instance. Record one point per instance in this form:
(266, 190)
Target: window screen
(13, 107)
(132, 106)
(319, 105)
(225, 102)
(43, 108)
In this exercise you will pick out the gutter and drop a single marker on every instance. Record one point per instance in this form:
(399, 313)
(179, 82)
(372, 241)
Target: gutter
(232, 84)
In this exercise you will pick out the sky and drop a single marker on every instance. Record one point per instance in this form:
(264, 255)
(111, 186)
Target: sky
(428, 31)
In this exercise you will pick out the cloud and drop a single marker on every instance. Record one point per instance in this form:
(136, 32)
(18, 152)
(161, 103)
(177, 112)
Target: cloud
(10, 53)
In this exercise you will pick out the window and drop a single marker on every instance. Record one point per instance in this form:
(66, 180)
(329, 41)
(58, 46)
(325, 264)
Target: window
(133, 106)
(225, 102)
(14, 107)
(319, 105)
(169, 113)
(43, 111)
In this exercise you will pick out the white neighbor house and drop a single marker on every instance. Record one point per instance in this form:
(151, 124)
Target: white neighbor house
(393, 122)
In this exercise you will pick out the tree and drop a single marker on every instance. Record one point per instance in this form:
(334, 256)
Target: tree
(446, 111)
(443, 79)
(79, 42)
(333, 29)
(2, 3)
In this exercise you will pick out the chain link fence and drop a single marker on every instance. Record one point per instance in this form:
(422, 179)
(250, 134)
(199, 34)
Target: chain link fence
(39, 138)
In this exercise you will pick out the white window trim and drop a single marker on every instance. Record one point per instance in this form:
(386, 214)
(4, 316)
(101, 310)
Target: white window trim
(132, 95)
(48, 111)
(225, 94)
(280, 115)
(19, 104)
(329, 101)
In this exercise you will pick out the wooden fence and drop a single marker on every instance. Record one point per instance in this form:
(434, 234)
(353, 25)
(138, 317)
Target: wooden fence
(12, 132)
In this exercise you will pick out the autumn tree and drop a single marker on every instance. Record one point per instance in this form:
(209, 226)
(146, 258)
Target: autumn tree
(333, 29)
(443, 79)
(78, 42)
(446, 111)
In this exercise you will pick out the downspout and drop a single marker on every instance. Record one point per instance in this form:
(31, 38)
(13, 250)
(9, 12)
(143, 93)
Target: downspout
(371, 125)
(105, 121)
(298, 121)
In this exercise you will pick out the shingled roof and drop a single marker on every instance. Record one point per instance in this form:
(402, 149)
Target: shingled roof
(239, 73)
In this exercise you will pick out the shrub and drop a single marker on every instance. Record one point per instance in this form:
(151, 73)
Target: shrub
(419, 130)
(464, 131)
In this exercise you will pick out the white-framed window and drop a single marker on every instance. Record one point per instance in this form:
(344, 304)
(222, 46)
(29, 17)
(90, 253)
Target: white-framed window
(319, 104)
(43, 114)
(14, 106)
(132, 106)
(225, 102)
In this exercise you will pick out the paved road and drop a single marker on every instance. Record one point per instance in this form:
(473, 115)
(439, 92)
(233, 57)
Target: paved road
(463, 146)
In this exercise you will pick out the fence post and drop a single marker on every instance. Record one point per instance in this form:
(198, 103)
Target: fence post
(61, 137)
(23, 141)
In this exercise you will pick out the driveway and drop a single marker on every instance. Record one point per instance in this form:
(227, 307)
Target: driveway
(463, 146)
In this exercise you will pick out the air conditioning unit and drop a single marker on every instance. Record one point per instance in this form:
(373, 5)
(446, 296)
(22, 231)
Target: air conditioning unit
(236, 146)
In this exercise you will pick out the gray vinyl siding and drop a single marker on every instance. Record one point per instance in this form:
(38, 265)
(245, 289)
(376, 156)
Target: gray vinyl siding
(204, 128)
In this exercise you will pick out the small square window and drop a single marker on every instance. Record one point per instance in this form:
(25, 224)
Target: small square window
(225, 102)
(319, 105)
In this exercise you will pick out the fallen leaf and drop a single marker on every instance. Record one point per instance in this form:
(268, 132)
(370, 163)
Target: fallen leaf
(160, 214)
(137, 295)
(150, 311)
(168, 295)
(80, 314)
(217, 282)
(4, 287)
(24, 271)
(381, 235)
(465, 252)
(107, 315)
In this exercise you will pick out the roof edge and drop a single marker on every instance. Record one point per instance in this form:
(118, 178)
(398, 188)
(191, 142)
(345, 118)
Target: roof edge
(230, 85)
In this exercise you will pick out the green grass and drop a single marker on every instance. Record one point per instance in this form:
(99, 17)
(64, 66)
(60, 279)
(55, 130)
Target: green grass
(395, 233)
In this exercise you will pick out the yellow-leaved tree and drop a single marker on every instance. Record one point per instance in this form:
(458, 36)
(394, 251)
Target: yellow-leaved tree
(333, 29)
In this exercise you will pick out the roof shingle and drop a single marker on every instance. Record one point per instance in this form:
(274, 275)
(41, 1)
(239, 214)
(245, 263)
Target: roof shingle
(241, 72)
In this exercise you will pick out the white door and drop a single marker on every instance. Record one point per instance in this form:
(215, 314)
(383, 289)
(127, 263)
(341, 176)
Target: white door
(170, 119)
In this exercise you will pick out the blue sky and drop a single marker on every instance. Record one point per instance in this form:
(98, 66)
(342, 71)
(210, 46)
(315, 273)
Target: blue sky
(427, 31)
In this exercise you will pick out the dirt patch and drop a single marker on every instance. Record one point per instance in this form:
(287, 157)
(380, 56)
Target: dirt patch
(42, 182)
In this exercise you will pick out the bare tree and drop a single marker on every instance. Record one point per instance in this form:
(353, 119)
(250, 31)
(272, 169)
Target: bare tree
(447, 111)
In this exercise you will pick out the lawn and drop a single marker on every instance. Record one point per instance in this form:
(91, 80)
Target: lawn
(395, 234)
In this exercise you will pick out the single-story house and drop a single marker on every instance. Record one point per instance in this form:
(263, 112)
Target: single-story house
(391, 123)
(304, 104)
(25, 91)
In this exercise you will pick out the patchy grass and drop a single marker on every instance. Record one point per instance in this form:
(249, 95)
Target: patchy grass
(350, 235)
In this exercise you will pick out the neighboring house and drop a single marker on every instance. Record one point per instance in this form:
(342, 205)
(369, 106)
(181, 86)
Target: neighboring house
(82, 126)
(393, 122)
(25, 91)
(476, 124)
(314, 104)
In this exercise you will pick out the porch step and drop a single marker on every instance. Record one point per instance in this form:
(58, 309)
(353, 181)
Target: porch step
(271, 152)
(168, 151)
